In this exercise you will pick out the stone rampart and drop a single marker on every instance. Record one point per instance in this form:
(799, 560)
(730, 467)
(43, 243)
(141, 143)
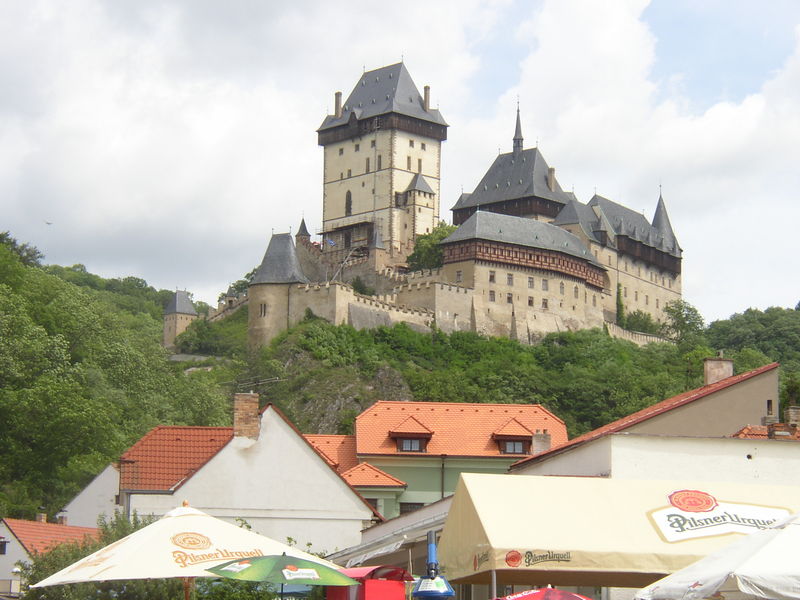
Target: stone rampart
(638, 338)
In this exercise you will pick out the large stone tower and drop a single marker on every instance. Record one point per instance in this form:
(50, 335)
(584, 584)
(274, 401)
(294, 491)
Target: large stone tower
(382, 160)
(180, 312)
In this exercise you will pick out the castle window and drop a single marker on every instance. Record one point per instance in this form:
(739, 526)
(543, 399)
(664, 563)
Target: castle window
(419, 165)
(366, 169)
(491, 276)
(530, 300)
(348, 203)
(594, 300)
(491, 295)
(379, 162)
(545, 286)
(544, 303)
(646, 300)
(670, 283)
(408, 163)
(662, 281)
(575, 292)
(358, 147)
(410, 143)
(509, 278)
(656, 302)
(372, 143)
(561, 288)
(636, 296)
(349, 172)
(263, 310)
(341, 175)
(530, 282)
(459, 276)
(509, 298)
(422, 145)
(341, 151)
(347, 239)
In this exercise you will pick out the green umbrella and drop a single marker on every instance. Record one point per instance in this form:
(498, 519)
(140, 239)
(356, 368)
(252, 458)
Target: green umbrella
(282, 569)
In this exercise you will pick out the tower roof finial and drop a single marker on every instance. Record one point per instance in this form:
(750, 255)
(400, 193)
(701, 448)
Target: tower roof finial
(518, 132)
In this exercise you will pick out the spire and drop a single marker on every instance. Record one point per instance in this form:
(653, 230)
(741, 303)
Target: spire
(661, 220)
(518, 133)
(303, 230)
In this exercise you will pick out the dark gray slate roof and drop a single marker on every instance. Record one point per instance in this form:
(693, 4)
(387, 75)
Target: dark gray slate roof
(280, 264)
(303, 230)
(383, 91)
(181, 303)
(663, 226)
(514, 175)
(625, 221)
(520, 231)
(420, 184)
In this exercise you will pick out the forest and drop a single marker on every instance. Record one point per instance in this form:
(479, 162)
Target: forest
(83, 374)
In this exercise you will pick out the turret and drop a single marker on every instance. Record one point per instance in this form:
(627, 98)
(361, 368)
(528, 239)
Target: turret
(178, 314)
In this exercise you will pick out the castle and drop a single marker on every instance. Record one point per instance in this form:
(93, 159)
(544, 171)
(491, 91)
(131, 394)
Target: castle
(527, 258)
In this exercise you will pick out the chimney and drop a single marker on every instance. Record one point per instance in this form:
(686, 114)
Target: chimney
(551, 179)
(792, 415)
(41, 517)
(246, 420)
(337, 110)
(426, 103)
(778, 431)
(540, 442)
(61, 519)
(716, 369)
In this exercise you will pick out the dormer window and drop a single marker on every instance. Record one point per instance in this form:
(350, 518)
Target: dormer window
(411, 445)
(514, 446)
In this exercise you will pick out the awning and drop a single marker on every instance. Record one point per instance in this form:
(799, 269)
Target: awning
(594, 531)
(387, 549)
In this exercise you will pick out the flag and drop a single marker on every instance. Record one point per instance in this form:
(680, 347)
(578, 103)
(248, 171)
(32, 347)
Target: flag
(331, 242)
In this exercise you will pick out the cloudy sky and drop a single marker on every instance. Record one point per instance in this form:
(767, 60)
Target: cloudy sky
(167, 140)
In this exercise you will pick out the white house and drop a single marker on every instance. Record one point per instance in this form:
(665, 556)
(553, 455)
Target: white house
(261, 471)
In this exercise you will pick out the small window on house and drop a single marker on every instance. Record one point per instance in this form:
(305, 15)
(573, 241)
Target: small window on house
(561, 288)
(358, 147)
(512, 447)
(459, 276)
(769, 407)
(544, 303)
(348, 203)
(373, 502)
(422, 145)
(410, 445)
(349, 172)
(419, 165)
(575, 292)
(341, 151)
(407, 507)
(509, 278)
(530, 282)
(491, 295)
(341, 175)
(408, 163)
(263, 310)
(544, 285)
(379, 162)
(366, 169)
(509, 298)
(410, 143)
(491, 276)
(530, 300)
(372, 143)
(646, 300)
(636, 296)
(3, 544)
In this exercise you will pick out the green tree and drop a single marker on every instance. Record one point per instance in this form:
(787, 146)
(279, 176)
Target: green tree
(621, 321)
(684, 323)
(29, 255)
(427, 252)
(643, 322)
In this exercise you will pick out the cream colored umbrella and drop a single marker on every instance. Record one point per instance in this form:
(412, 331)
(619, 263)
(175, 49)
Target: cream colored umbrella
(183, 543)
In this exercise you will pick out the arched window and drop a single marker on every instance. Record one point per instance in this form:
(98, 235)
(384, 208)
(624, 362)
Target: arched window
(561, 288)
(348, 203)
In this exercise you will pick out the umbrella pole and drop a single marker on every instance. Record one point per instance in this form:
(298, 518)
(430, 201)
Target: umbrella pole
(187, 584)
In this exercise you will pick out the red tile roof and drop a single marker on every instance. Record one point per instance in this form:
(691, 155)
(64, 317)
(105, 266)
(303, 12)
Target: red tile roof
(167, 456)
(513, 428)
(338, 450)
(38, 537)
(652, 411)
(365, 475)
(411, 426)
(458, 429)
(752, 432)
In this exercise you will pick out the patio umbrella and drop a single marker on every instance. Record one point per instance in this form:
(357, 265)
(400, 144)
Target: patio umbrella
(544, 594)
(761, 565)
(282, 569)
(182, 543)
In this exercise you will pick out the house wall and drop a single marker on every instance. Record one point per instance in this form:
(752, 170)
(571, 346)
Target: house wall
(278, 484)
(95, 500)
(14, 554)
(174, 325)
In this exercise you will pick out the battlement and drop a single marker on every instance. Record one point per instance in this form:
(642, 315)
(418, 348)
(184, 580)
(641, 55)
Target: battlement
(429, 284)
(637, 337)
(225, 309)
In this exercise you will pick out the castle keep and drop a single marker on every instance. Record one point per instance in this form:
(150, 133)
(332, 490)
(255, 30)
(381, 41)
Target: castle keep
(527, 258)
